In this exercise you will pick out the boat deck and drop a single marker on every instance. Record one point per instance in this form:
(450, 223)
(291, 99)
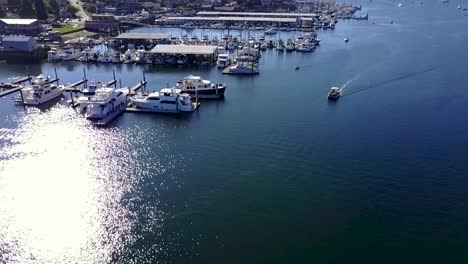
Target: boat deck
(108, 119)
(132, 109)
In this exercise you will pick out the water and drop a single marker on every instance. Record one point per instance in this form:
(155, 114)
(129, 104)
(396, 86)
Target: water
(272, 174)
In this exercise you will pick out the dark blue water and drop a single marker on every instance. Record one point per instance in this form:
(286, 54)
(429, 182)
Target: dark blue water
(273, 174)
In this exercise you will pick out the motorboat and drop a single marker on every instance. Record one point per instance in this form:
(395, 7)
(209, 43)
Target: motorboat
(104, 57)
(53, 55)
(271, 31)
(105, 102)
(335, 93)
(242, 68)
(40, 91)
(223, 60)
(68, 54)
(197, 87)
(140, 56)
(168, 100)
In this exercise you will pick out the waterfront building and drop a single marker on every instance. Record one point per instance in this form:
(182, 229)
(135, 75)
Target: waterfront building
(102, 22)
(29, 27)
(19, 44)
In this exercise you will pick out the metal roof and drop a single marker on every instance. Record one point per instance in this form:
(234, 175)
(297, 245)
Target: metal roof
(257, 14)
(152, 36)
(16, 38)
(236, 19)
(184, 49)
(11, 21)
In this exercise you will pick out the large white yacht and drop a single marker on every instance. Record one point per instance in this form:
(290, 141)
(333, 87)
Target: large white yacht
(105, 102)
(168, 100)
(223, 60)
(196, 86)
(89, 92)
(68, 54)
(40, 91)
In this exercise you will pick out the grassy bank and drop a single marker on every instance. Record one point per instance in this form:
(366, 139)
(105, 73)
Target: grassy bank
(69, 28)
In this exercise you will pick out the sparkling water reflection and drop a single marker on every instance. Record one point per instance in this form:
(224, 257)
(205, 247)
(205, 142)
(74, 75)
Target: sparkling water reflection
(68, 190)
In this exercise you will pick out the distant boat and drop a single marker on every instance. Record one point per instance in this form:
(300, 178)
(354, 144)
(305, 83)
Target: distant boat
(195, 86)
(335, 93)
(346, 40)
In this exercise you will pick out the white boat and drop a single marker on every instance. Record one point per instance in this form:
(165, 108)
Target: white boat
(104, 57)
(89, 92)
(68, 54)
(242, 68)
(105, 102)
(197, 87)
(140, 56)
(335, 93)
(271, 31)
(53, 55)
(223, 60)
(40, 91)
(168, 100)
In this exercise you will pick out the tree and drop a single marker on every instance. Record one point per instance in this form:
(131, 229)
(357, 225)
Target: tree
(91, 8)
(54, 6)
(73, 10)
(26, 10)
(41, 11)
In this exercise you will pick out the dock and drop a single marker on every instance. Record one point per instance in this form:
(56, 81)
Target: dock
(22, 80)
(136, 87)
(10, 91)
(72, 87)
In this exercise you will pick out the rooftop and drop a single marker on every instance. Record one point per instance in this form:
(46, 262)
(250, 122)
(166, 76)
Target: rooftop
(257, 14)
(237, 19)
(16, 38)
(152, 36)
(11, 21)
(184, 49)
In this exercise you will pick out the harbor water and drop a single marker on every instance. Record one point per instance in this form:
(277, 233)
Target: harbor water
(275, 173)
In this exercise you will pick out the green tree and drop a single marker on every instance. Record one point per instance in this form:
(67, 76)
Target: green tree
(54, 6)
(72, 9)
(41, 11)
(26, 10)
(91, 8)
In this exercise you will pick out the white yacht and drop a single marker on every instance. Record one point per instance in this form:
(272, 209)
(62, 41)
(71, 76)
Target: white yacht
(86, 55)
(104, 57)
(197, 87)
(89, 92)
(40, 91)
(105, 102)
(223, 60)
(53, 55)
(242, 68)
(140, 56)
(68, 54)
(168, 100)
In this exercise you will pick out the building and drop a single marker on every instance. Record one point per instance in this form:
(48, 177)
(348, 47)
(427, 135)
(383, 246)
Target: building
(19, 44)
(29, 27)
(102, 22)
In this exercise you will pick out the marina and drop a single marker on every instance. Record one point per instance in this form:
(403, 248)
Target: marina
(271, 170)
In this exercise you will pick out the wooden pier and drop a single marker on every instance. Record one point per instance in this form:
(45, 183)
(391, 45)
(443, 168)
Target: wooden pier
(72, 87)
(17, 88)
(10, 91)
(136, 87)
(22, 80)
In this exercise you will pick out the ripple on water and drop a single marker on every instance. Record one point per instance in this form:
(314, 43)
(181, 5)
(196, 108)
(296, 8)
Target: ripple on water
(71, 193)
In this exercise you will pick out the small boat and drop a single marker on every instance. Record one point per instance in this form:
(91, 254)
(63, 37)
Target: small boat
(68, 54)
(223, 60)
(53, 55)
(168, 100)
(242, 68)
(335, 93)
(271, 31)
(346, 40)
(196, 86)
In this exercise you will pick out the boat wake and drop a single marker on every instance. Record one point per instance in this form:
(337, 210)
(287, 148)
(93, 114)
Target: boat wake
(378, 84)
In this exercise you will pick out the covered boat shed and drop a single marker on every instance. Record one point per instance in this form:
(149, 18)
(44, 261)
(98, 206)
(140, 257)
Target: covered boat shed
(255, 14)
(140, 38)
(194, 52)
(232, 19)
